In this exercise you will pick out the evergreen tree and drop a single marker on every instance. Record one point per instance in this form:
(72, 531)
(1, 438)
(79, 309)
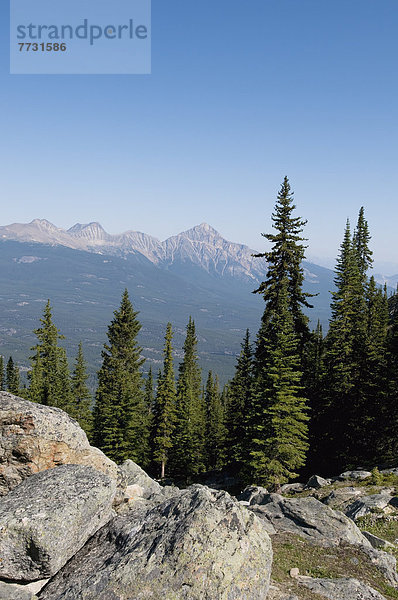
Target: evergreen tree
(12, 377)
(372, 436)
(81, 398)
(278, 431)
(189, 435)
(238, 402)
(349, 354)
(284, 265)
(2, 380)
(215, 431)
(120, 415)
(49, 375)
(279, 417)
(165, 407)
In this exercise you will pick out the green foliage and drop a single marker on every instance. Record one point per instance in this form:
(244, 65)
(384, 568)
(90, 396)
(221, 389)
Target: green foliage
(351, 420)
(215, 430)
(80, 404)
(49, 375)
(12, 377)
(279, 429)
(376, 477)
(165, 407)
(188, 456)
(238, 402)
(120, 415)
(284, 265)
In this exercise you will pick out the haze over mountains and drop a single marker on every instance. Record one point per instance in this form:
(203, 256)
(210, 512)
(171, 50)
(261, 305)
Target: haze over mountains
(84, 270)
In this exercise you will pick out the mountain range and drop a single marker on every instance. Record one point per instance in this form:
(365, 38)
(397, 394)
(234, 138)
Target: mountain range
(83, 271)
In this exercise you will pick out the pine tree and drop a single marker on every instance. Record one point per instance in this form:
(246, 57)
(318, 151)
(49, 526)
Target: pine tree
(12, 377)
(165, 407)
(187, 457)
(49, 375)
(215, 431)
(238, 402)
(348, 354)
(79, 408)
(390, 439)
(284, 264)
(372, 438)
(279, 430)
(120, 415)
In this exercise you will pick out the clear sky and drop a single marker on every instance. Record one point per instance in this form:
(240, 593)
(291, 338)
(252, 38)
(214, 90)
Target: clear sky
(241, 93)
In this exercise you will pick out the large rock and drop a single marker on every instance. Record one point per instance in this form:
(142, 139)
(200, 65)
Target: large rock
(341, 589)
(12, 591)
(367, 504)
(340, 498)
(199, 545)
(253, 494)
(34, 438)
(316, 482)
(311, 519)
(357, 475)
(136, 476)
(49, 517)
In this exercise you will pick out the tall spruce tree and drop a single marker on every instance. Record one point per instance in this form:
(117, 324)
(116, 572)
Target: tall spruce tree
(80, 406)
(165, 408)
(238, 402)
(215, 430)
(278, 417)
(188, 455)
(12, 377)
(49, 374)
(279, 430)
(120, 415)
(284, 265)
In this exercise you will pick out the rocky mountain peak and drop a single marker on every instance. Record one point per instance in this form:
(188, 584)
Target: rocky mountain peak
(44, 224)
(91, 231)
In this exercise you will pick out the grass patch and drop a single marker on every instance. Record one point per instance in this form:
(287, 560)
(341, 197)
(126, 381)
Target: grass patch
(343, 561)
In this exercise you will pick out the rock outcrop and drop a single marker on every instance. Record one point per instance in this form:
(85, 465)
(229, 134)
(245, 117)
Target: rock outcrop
(199, 545)
(311, 519)
(47, 518)
(341, 589)
(34, 438)
(134, 475)
(367, 504)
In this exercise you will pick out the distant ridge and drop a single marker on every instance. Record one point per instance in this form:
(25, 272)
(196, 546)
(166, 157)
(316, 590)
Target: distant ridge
(201, 245)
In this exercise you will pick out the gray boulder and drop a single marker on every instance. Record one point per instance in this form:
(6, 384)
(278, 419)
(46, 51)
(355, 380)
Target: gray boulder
(341, 589)
(28, 591)
(385, 562)
(392, 471)
(253, 494)
(49, 517)
(356, 475)
(316, 482)
(35, 438)
(340, 498)
(311, 519)
(367, 504)
(136, 476)
(199, 545)
(378, 542)
(289, 488)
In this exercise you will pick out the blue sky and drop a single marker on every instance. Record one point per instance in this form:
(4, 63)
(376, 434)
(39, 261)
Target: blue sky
(241, 93)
